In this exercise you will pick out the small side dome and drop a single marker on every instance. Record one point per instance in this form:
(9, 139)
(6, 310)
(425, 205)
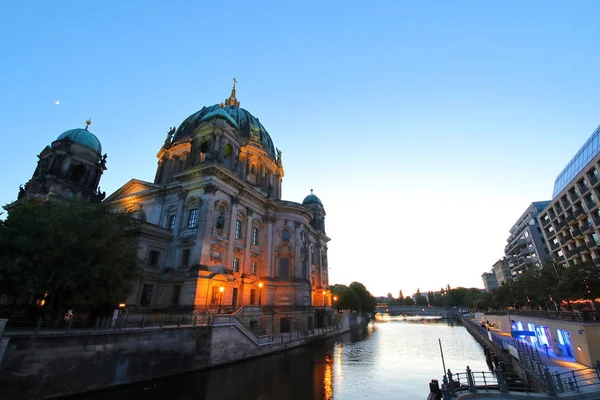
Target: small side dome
(311, 199)
(83, 137)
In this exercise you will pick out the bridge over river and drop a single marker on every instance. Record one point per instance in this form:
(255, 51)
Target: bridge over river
(417, 310)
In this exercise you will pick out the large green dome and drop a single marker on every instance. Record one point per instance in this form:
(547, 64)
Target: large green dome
(247, 124)
(82, 136)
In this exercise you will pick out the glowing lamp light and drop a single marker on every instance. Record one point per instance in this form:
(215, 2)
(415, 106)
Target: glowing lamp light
(579, 348)
(260, 285)
(121, 305)
(334, 298)
(221, 289)
(324, 293)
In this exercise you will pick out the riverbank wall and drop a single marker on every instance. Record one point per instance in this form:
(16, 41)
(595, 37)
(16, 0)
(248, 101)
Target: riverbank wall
(54, 364)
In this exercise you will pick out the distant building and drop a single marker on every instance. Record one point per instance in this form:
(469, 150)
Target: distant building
(526, 245)
(489, 281)
(571, 221)
(502, 271)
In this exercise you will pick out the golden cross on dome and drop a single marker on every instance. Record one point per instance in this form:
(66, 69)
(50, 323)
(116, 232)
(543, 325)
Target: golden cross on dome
(232, 101)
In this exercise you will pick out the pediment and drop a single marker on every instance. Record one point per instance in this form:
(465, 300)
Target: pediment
(134, 187)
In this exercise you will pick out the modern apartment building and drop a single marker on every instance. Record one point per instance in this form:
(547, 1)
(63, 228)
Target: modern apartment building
(502, 271)
(489, 281)
(526, 245)
(571, 222)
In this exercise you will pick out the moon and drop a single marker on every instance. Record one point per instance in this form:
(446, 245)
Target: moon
(57, 102)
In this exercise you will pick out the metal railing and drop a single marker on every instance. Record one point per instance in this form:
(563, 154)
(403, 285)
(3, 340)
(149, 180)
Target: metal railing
(576, 316)
(16, 327)
(584, 380)
(232, 320)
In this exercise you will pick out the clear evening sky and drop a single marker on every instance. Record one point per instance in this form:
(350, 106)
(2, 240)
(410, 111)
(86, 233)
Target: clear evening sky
(426, 128)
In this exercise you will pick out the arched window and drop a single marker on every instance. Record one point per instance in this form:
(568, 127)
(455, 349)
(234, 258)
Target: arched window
(204, 146)
(77, 173)
(253, 169)
(227, 155)
(285, 235)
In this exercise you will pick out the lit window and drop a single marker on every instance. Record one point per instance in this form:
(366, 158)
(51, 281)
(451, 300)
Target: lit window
(595, 237)
(238, 229)
(560, 253)
(253, 268)
(255, 236)
(551, 229)
(236, 264)
(526, 234)
(596, 174)
(555, 241)
(546, 218)
(171, 222)
(285, 235)
(193, 218)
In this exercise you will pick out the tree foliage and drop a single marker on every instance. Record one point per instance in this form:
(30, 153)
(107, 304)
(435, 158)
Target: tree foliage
(65, 250)
(354, 297)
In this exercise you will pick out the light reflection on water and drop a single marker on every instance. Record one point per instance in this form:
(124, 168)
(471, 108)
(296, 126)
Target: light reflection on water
(390, 360)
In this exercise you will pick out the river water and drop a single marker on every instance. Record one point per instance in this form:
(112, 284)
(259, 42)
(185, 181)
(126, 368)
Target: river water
(386, 360)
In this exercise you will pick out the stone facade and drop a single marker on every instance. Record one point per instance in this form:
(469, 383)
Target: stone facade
(216, 234)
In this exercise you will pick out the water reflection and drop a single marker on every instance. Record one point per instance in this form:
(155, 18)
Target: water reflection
(385, 360)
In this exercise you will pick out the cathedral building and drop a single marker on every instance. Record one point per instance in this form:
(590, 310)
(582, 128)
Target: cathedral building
(216, 234)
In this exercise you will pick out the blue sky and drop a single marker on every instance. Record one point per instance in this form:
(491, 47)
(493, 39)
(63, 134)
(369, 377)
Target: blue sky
(426, 128)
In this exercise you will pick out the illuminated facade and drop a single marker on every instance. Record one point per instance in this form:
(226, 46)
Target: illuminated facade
(571, 222)
(217, 234)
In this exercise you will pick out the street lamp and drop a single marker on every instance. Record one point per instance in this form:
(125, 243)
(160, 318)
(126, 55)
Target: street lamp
(335, 299)
(221, 289)
(324, 293)
(260, 285)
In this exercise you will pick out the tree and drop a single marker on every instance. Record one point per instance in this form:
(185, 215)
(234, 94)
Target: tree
(420, 300)
(64, 250)
(367, 300)
(347, 298)
(408, 301)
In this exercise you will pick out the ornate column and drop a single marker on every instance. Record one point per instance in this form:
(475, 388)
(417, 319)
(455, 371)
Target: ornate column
(172, 261)
(270, 219)
(247, 268)
(234, 210)
(206, 222)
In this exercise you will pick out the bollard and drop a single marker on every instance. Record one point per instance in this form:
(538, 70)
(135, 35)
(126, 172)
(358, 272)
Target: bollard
(471, 380)
(434, 387)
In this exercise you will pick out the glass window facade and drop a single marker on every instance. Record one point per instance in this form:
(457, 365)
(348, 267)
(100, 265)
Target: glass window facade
(577, 163)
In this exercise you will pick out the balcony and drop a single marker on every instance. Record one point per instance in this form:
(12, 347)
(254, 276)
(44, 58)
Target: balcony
(574, 196)
(564, 239)
(569, 218)
(576, 232)
(593, 180)
(579, 212)
(590, 204)
(591, 244)
(545, 222)
(586, 228)
(583, 188)
(527, 250)
(571, 253)
(560, 225)
(554, 246)
(582, 249)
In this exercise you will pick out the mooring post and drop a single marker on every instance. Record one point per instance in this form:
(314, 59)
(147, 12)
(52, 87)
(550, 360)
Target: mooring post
(471, 380)
(550, 386)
